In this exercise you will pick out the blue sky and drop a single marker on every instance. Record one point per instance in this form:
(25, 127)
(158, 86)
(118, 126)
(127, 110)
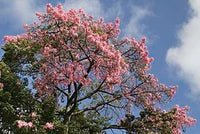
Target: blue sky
(171, 27)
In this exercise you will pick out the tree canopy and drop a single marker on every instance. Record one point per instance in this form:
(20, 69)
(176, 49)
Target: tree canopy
(70, 73)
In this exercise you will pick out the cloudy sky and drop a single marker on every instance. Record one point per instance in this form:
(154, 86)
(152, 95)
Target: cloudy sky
(172, 28)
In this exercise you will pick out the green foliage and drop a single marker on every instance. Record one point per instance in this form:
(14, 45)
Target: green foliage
(14, 98)
(47, 109)
(90, 123)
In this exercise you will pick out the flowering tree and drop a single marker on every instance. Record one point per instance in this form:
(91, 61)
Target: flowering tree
(88, 72)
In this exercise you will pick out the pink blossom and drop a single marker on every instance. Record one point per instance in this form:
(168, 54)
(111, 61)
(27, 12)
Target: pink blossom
(39, 14)
(33, 115)
(181, 117)
(49, 126)
(143, 39)
(117, 22)
(25, 26)
(172, 92)
(21, 124)
(10, 38)
(30, 124)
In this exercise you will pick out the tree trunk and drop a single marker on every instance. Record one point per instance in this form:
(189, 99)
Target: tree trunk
(67, 124)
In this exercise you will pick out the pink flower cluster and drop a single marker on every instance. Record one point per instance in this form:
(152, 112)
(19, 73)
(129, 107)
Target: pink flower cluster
(15, 39)
(21, 124)
(49, 126)
(144, 59)
(69, 60)
(48, 50)
(33, 115)
(149, 92)
(181, 118)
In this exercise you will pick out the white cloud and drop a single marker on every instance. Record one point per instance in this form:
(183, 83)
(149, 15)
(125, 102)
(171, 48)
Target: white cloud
(92, 7)
(25, 9)
(18, 12)
(96, 8)
(134, 26)
(186, 56)
(116, 10)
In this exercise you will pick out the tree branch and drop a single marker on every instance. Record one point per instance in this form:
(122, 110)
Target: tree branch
(92, 93)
